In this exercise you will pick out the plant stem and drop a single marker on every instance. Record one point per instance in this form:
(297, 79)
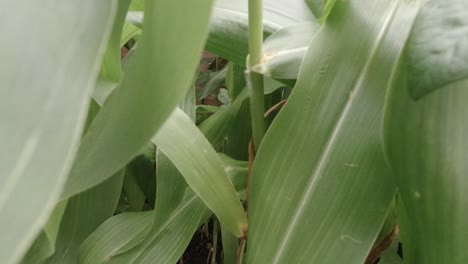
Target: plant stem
(215, 241)
(255, 80)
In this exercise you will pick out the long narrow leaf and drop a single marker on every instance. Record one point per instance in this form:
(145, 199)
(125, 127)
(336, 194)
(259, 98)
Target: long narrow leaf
(114, 234)
(47, 72)
(195, 158)
(84, 213)
(147, 94)
(326, 190)
(166, 242)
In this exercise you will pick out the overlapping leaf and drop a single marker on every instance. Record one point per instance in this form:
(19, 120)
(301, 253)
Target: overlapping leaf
(166, 242)
(147, 94)
(84, 213)
(188, 149)
(284, 50)
(438, 47)
(48, 69)
(325, 190)
(425, 141)
(228, 36)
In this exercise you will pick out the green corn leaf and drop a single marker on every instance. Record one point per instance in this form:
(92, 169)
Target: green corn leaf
(110, 69)
(145, 97)
(207, 109)
(113, 235)
(235, 79)
(425, 141)
(238, 137)
(321, 8)
(228, 36)
(217, 126)
(213, 84)
(143, 171)
(129, 31)
(166, 241)
(43, 109)
(137, 5)
(111, 73)
(42, 248)
(84, 213)
(133, 192)
(202, 169)
(230, 246)
(316, 6)
(44, 245)
(171, 185)
(438, 47)
(284, 50)
(326, 190)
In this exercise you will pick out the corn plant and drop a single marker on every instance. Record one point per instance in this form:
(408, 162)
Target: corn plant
(340, 135)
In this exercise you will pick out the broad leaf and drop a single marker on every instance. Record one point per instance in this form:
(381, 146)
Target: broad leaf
(427, 148)
(44, 97)
(326, 190)
(146, 96)
(438, 47)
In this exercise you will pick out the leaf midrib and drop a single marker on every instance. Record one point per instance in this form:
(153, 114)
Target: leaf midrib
(310, 187)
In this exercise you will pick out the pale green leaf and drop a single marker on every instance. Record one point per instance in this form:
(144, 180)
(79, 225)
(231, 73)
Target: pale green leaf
(438, 47)
(133, 192)
(166, 242)
(207, 109)
(425, 141)
(217, 126)
(284, 50)
(229, 24)
(44, 245)
(188, 149)
(321, 8)
(170, 187)
(235, 79)
(129, 31)
(230, 246)
(229, 27)
(322, 194)
(48, 69)
(145, 97)
(84, 213)
(114, 234)
(316, 6)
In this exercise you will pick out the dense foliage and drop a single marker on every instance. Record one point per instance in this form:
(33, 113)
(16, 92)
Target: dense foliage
(323, 132)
